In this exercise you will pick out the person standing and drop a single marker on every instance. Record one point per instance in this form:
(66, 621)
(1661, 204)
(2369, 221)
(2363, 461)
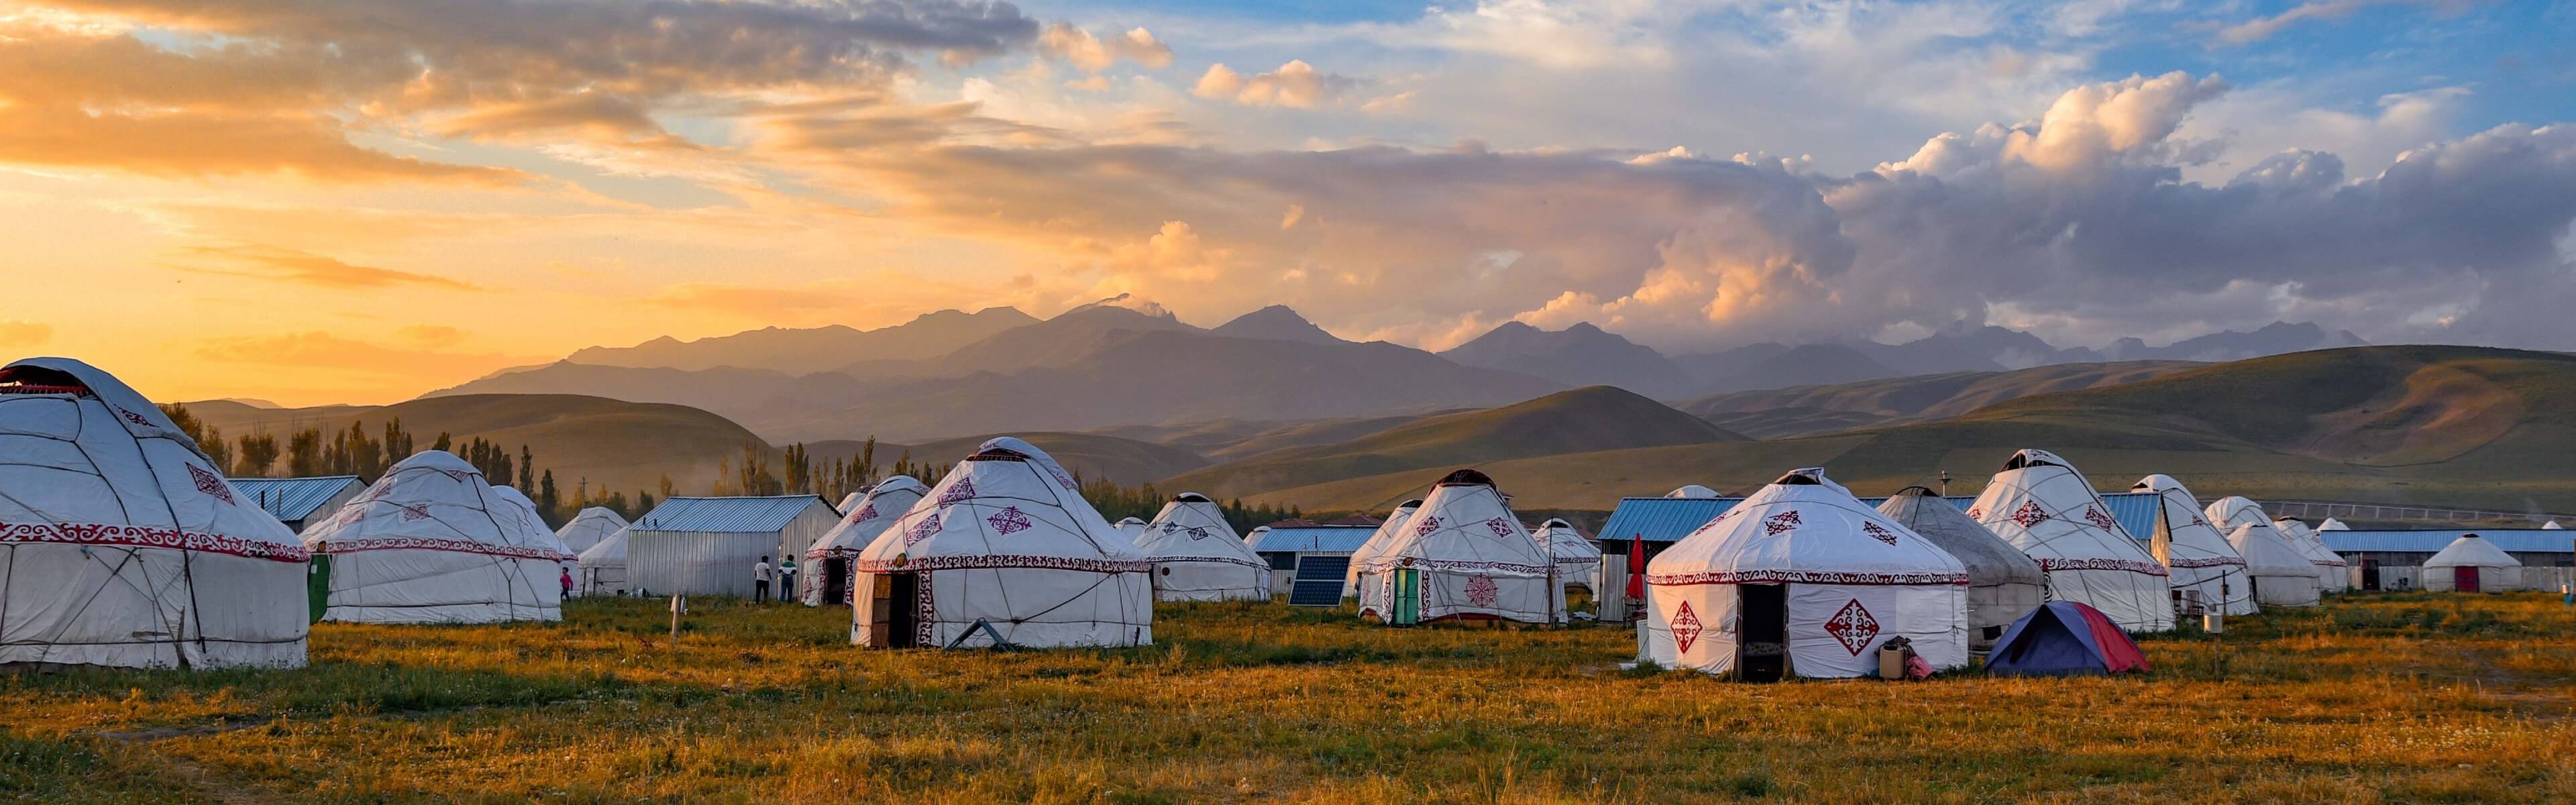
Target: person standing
(760, 581)
(567, 582)
(787, 580)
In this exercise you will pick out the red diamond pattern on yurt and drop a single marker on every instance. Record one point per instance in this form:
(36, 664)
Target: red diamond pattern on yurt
(2097, 518)
(1685, 628)
(1481, 591)
(1428, 525)
(1502, 528)
(1853, 626)
(922, 530)
(1774, 524)
(864, 514)
(1009, 520)
(1877, 533)
(210, 483)
(1977, 514)
(2029, 514)
(410, 513)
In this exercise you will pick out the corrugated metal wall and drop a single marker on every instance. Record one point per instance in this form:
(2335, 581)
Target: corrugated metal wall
(711, 563)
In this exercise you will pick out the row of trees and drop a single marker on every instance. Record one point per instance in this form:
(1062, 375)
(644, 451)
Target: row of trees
(800, 472)
(367, 453)
(1143, 502)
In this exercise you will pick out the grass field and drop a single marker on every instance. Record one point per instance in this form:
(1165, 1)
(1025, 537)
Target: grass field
(2379, 698)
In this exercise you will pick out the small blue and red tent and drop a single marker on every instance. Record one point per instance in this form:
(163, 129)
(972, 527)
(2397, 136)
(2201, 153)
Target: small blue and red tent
(2064, 638)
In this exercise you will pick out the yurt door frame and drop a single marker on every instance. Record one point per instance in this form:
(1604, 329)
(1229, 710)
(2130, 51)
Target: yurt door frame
(1407, 601)
(836, 580)
(2465, 579)
(1762, 650)
(894, 609)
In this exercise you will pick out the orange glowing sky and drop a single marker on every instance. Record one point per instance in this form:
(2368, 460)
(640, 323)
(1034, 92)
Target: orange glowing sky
(361, 200)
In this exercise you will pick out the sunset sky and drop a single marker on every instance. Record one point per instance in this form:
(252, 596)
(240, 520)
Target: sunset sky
(359, 200)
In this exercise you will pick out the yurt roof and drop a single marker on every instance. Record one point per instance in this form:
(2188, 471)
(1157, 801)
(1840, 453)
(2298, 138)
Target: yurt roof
(611, 548)
(1804, 528)
(1191, 526)
(2268, 552)
(1564, 541)
(2332, 524)
(435, 501)
(870, 515)
(1687, 491)
(1988, 558)
(1464, 524)
(2192, 540)
(589, 527)
(2471, 550)
(93, 462)
(2228, 512)
(1003, 507)
(2042, 505)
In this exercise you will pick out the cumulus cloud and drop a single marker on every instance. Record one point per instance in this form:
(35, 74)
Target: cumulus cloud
(1092, 54)
(2078, 223)
(17, 333)
(262, 261)
(1295, 84)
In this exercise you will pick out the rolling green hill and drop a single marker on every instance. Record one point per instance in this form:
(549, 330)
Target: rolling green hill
(1814, 410)
(620, 445)
(1591, 418)
(2461, 426)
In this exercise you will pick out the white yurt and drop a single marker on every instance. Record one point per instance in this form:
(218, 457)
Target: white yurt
(122, 545)
(827, 563)
(1376, 544)
(1578, 561)
(851, 502)
(1133, 528)
(588, 528)
(1462, 555)
(2003, 583)
(2040, 504)
(1003, 548)
(2205, 570)
(2332, 571)
(1198, 557)
(601, 569)
(2332, 524)
(2329, 568)
(2471, 564)
(1801, 579)
(431, 543)
(2552, 526)
(1693, 491)
(2278, 574)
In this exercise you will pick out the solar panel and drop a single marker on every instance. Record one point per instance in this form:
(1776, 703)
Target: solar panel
(1318, 582)
(1315, 568)
(1312, 593)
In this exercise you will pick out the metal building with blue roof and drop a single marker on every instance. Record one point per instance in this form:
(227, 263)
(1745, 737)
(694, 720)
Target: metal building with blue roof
(1662, 521)
(295, 501)
(707, 546)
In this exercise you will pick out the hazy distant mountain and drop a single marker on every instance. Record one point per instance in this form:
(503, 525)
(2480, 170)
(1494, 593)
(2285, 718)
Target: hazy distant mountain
(816, 349)
(1581, 355)
(1711, 367)
(1160, 376)
(2272, 339)
(725, 391)
(253, 402)
(1053, 342)
(608, 444)
(1807, 365)
(1277, 323)
(1964, 348)
(1809, 410)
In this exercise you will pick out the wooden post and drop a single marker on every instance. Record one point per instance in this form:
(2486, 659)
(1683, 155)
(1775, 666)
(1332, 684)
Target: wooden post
(678, 605)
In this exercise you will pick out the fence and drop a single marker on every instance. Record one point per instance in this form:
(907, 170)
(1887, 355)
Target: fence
(2314, 510)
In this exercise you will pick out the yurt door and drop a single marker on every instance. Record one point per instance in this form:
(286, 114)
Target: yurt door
(2465, 579)
(317, 585)
(894, 609)
(1763, 649)
(1408, 596)
(836, 580)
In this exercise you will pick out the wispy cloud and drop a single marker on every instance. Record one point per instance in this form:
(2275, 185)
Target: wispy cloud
(261, 261)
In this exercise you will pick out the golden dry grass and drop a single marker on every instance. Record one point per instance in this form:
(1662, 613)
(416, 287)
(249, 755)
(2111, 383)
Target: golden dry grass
(2382, 698)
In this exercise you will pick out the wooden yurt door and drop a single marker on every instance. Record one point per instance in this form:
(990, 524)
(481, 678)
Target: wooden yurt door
(2465, 579)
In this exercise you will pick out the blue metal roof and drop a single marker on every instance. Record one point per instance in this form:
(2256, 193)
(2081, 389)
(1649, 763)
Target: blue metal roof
(743, 515)
(1313, 539)
(295, 499)
(2509, 540)
(1670, 519)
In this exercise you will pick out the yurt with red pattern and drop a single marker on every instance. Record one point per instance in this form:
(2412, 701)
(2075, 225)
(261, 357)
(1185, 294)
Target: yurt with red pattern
(1802, 579)
(430, 542)
(2042, 505)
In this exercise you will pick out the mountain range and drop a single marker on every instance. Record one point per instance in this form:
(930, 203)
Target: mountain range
(1125, 362)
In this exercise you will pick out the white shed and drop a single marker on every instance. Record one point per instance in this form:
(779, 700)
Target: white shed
(707, 546)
